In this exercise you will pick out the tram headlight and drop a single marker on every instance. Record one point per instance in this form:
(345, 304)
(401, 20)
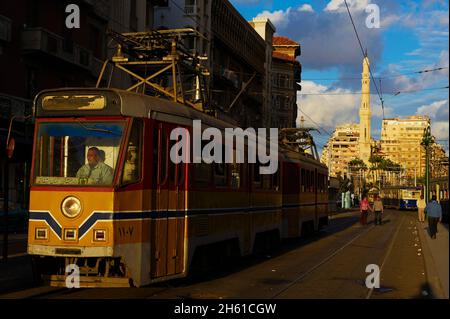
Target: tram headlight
(71, 207)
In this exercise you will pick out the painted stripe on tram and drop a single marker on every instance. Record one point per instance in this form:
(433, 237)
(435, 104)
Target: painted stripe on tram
(48, 218)
(133, 215)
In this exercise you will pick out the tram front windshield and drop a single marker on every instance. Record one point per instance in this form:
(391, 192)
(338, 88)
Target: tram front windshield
(77, 152)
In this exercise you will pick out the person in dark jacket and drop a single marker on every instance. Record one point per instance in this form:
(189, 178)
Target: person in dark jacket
(434, 213)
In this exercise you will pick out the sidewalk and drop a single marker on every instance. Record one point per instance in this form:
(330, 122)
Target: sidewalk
(17, 245)
(15, 274)
(436, 254)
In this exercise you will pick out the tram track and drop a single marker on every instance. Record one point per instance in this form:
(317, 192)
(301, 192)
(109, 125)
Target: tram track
(388, 253)
(321, 263)
(325, 261)
(162, 291)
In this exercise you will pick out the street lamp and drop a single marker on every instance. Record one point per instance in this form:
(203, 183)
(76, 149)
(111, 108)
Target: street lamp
(427, 141)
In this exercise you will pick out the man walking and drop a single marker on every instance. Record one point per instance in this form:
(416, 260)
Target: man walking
(421, 208)
(378, 209)
(434, 212)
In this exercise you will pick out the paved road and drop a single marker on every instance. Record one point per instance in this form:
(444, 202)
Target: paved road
(17, 244)
(329, 265)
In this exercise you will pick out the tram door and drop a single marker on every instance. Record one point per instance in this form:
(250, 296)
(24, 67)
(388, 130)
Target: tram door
(168, 226)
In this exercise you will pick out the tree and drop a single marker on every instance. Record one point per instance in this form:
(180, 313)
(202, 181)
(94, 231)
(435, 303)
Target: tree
(380, 164)
(357, 164)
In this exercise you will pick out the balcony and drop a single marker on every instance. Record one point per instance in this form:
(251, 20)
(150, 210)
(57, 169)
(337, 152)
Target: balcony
(101, 7)
(192, 10)
(44, 41)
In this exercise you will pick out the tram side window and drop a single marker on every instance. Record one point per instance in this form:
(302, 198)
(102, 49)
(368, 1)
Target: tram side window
(313, 181)
(133, 156)
(155, 158)
(266, 181)
(307, 180)
(220, 174)
(221, 171)
(172, 165)
(256, 175)
(163, 159)
(318, 182)
(276, 180)
(235, 170)
(202, 173)
(303, 180)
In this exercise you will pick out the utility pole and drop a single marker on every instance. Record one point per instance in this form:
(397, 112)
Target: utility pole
(415, 176)
(8, 150)
(427, 141)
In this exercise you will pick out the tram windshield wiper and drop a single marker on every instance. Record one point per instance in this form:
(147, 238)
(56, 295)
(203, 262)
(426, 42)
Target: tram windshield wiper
(94, 128)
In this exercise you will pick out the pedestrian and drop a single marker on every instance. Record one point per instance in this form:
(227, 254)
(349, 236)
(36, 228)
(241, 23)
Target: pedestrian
(364, 207)
(378, 209)
(421, 208)
(434, 213)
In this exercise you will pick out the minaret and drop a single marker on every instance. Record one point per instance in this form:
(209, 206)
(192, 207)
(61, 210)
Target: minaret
(364, 113)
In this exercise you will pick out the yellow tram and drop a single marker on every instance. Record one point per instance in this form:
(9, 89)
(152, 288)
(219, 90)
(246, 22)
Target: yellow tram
(149, 220)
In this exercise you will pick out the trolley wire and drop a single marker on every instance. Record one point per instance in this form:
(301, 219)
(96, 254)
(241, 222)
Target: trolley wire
(365, 55)
(390, 93)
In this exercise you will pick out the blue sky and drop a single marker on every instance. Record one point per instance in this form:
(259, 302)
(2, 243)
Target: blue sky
(413, 36)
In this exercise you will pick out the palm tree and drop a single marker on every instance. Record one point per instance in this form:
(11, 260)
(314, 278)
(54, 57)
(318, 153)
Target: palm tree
(376, 162)
(358, 165)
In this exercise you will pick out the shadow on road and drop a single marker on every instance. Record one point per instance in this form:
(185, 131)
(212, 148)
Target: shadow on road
(16, 274)
(426, 292)
(223, 269)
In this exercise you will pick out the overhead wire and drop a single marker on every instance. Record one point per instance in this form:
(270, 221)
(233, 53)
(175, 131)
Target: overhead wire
(390, 93)
(377, 77)
(365, 55)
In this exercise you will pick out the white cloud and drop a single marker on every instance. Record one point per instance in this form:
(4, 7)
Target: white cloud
(438, 113)
(400, 83)
(440, 130)
(327, 37)
(437, 110)
(443, 61)
(279, 18)
(305, 8)
(246, 2)
(327, 110)
(388, 20)
(339, 5)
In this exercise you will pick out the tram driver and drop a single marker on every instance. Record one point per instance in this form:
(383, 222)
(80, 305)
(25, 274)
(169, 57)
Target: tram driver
(95, 171)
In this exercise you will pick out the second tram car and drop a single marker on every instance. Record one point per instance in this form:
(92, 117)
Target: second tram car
(152, 219)
(401, 197)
